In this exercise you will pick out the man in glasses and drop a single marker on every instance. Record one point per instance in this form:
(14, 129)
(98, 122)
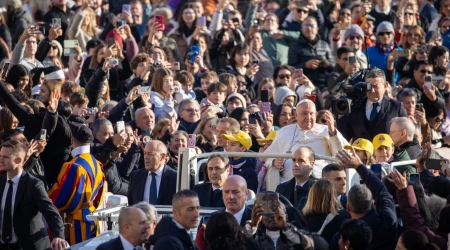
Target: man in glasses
(345, 66)
(430, 95)
(373, 116)
(379, 53)
(352, 38)
(312, 54)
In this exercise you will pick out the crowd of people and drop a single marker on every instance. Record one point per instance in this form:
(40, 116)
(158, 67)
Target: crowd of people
(97, 97)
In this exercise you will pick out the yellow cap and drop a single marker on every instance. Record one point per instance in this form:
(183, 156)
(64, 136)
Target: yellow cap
(361, 144)
(270, 137)
(382, 140)
(243, 138)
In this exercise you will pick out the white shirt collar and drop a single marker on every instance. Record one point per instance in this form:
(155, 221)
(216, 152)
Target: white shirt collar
(16, 178)
(180, 226)
(158, 172)
(386, 12)
(369, 103)
(214, 188)
(81, 150)
(301, 184)
(238, 215)
(125, 243)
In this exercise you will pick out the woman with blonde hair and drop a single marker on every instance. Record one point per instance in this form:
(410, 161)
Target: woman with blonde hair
(83, 26)
(206, 136)
(161, 128)
(323, 212)
(413, 37)
(162, 94)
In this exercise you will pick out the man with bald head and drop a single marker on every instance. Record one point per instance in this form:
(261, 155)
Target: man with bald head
(133, 226)
(156, 183)
(322, 139)
(144, 121)
(234, 194)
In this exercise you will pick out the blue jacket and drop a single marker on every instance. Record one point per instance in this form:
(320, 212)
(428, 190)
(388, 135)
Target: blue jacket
(377, 58)
(382, 219)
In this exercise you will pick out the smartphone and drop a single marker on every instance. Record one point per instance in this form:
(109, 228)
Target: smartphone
(435, 164)
(68, 47)
(415, 178)
(90, 111)
(114, 61)
(213, 122)
(343, 26)
(143, 90)
(192, 140)
(256, 22)
(39, 29)
(5, 69)
(298, 73)
(111, 42)
(56, 22)
(428, 82)
(226, 16)
(255, 61)
(302, 3)
(269, 202)
(43, 134)
(265, 95)
(176, 89)
(352, 60)
(402, 53)
(202, 21)
(120, 24)
(376, 169)
(160, 21)
(120, 126)
(311, 97)
(419, 106)
(176, 66)
(235, 20)
(126, 8)
(266, 107)
(252, 119)
(146, 139)
(195, 51)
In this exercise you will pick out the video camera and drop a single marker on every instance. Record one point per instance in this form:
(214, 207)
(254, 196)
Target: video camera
(351, 97)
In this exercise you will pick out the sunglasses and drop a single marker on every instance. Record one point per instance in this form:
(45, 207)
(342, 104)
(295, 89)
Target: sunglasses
(385, 33)
(283, 76)
(425, 71)
(354, 38)
(439, 120)
(302, 11)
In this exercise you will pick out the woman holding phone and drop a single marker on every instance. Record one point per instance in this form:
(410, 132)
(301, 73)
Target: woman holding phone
(161, 94)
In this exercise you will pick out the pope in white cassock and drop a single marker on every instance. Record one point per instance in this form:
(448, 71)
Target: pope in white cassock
(323, 139)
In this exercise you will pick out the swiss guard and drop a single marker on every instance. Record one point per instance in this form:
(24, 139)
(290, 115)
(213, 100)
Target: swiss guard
(78, 190)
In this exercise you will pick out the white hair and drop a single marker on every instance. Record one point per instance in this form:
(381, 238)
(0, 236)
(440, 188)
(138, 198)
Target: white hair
(406, 124)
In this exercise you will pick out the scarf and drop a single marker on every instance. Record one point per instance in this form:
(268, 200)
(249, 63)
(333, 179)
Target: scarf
(238, 161)
(386, 48)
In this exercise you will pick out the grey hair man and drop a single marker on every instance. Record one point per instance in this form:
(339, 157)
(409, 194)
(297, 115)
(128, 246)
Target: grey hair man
(151, 214)
(402, 133)
(145, 120)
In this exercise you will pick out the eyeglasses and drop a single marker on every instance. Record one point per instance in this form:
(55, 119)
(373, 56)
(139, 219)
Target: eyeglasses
(302, 11)
(192, 110)
(312, 26)
(426, 71)
(385, 33)
(354, 38)
(284, 76)
(439, 120)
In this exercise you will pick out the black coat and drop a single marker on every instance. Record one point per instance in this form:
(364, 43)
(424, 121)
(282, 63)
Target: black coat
(412, 148)
(31, 202)
(287, 189)
(315, 222)
(169, 236)
(355, 125)
(206, 195)
(167, 186)
(114, 244)
(247, 215)
(439, 103)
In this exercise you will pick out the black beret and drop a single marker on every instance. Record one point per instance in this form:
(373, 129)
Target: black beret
(81, 133)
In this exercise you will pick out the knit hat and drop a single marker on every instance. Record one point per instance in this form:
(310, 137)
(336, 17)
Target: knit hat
(385, 25)
(354, 30)
(370, 18)
(53, 73)
(14, 4)
(239, 96)
(116, 35)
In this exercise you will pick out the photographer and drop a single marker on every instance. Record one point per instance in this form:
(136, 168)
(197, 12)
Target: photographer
(373, 116)
(344, 68)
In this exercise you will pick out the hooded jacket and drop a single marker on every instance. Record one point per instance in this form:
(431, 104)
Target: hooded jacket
(401, 155)
(281, 94)
(169, 236)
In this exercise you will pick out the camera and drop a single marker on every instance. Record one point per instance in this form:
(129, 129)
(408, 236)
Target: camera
(113, 61)
(156, 64)
(351, 97)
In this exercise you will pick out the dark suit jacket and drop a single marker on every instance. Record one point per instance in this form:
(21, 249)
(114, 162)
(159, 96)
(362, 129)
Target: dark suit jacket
(353, 125)
(205, 195)
(287, 189)
(114, 244)
(167, 186)
(246, 216)
(31, 202)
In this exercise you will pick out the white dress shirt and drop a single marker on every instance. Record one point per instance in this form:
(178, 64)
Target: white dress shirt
(301, 185)
(238, 215)
(369, 107)
(16, 180)
(81, 150)
(148, 182)
(125, 243)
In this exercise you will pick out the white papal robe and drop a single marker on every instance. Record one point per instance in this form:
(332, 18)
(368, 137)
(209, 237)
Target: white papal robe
(292, 137)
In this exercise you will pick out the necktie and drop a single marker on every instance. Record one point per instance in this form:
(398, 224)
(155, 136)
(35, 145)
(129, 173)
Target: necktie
(216, 197)
(298, 191)
(374, 112)
(7, 220)
(153, 194)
